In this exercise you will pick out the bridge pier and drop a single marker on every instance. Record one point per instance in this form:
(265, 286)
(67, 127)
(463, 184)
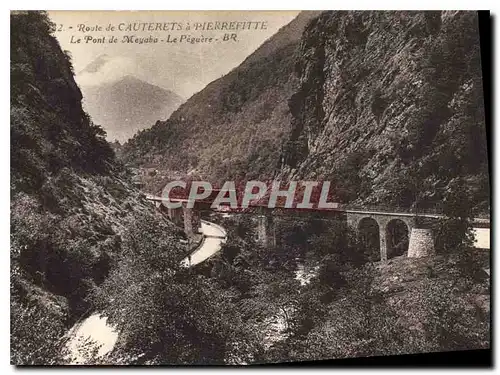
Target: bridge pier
(176, 215)
(421, 243)
(192, 221)
(383, 243)
(185, 217)
(266, 234)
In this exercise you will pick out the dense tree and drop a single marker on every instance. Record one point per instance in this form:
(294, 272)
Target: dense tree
(454, 231)
(172, 314)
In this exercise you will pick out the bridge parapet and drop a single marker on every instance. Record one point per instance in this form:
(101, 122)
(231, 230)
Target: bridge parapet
(435, 210)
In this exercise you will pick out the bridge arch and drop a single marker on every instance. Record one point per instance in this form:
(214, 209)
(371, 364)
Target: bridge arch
(397, 237)
(369, 237)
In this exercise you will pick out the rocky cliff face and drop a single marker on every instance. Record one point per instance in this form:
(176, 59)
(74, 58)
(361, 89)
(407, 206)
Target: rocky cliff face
(386, 105)
(390, 107)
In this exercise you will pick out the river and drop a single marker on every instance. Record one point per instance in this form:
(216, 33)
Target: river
(94, 333)
(482, 238)
(104, 336)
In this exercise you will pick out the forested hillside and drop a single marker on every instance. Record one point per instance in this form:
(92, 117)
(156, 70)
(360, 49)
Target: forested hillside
(85, 241)
(72, 205)
(233, 127)
(386, 105)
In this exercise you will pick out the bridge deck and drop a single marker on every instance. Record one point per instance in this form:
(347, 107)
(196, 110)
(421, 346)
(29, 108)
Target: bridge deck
(347, 210)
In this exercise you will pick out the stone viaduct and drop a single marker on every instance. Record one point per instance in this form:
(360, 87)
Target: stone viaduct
(419, 235)
(385, 227)
(416, 229)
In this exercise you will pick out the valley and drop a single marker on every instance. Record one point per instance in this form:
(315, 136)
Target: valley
(383, 109)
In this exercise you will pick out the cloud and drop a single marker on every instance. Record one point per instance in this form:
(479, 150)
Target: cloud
(107, 69)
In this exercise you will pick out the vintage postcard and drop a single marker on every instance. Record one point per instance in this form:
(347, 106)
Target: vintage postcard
(248, 187)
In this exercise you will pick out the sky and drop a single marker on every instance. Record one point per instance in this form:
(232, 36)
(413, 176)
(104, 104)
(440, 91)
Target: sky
(182, 67)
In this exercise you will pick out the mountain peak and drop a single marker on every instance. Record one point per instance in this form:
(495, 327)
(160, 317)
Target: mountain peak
(128, 80)
(128, 104)
(132, 78)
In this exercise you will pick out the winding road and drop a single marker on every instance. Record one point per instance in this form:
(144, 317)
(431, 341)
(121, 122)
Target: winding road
(103, 335)
(213, 238)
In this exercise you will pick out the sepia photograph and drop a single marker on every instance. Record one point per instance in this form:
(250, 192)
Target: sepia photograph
(230, 188)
